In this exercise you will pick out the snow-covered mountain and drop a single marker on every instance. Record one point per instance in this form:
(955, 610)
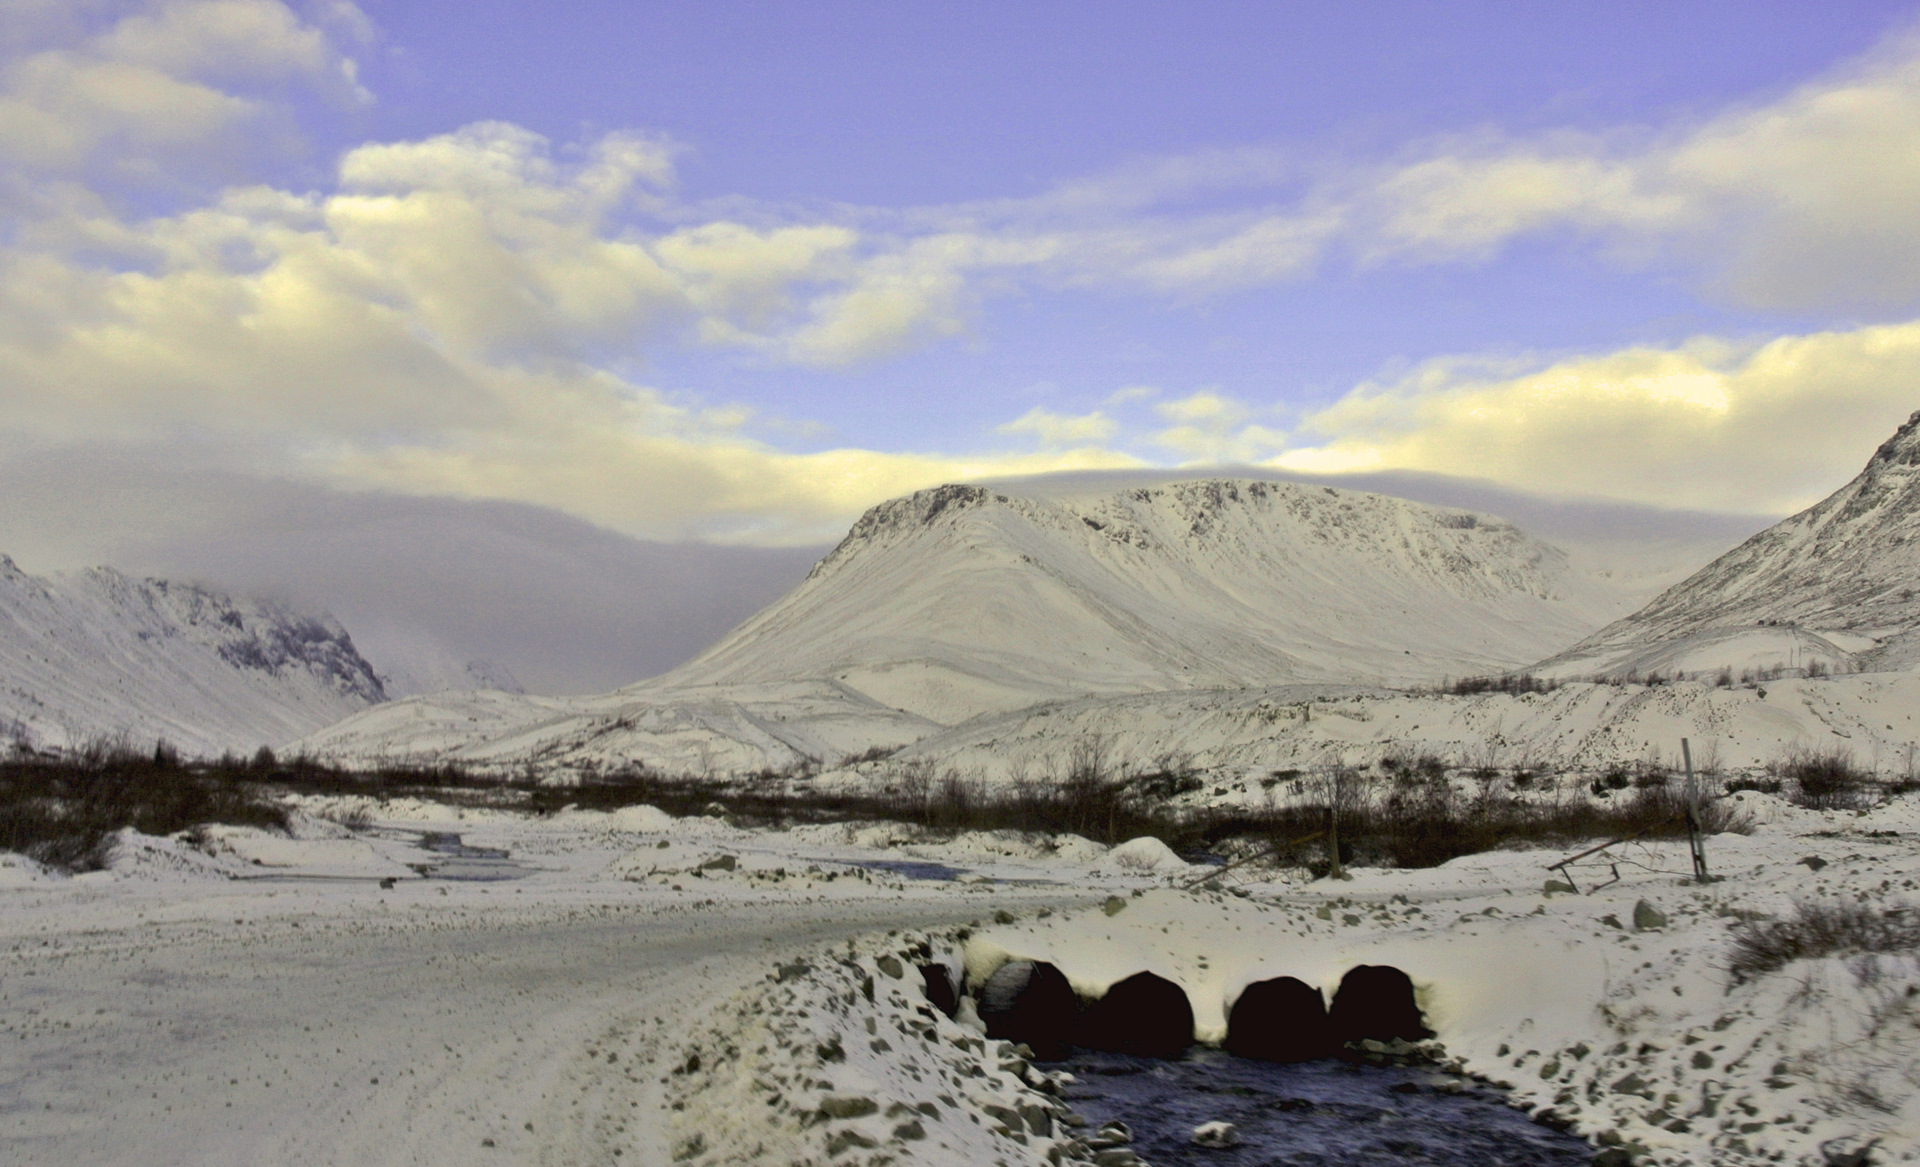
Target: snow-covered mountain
(1836, 585)
(95, 653)
(963, 600)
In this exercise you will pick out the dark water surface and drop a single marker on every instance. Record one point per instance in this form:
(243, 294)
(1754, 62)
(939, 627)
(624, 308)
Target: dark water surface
(913, 868)
(1312, 1114)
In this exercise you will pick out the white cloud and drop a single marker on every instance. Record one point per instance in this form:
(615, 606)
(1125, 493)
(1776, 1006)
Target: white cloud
(1063, 429)
(142, 94)
(1766, 427)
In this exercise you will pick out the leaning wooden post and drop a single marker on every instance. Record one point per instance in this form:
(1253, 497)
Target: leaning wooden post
(1334, 783)
(1696, 839)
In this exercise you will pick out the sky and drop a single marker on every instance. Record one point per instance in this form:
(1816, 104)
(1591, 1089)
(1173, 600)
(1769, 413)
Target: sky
(732, 272)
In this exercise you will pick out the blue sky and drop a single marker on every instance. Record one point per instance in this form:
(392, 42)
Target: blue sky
(735, 271)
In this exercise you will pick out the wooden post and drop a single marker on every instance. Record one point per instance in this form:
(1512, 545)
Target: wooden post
(1335, 780)
(1696, 839)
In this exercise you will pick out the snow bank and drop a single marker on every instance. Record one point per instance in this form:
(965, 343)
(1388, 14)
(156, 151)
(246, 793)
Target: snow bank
(840, 1058)
(1145, 854)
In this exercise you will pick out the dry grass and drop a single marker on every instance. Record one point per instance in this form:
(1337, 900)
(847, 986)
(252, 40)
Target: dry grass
(1821, 930)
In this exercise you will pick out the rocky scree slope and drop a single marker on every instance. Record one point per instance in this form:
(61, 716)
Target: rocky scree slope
(962, 600)
(95, 653)
(1837, 584)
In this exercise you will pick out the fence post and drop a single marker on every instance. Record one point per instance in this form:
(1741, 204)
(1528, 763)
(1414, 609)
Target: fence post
(1696, 840)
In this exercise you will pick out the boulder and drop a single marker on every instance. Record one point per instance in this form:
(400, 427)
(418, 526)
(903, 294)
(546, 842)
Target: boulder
(1376, 1001)
(1029, 1001)
(1144, 1015)
(1279, 1020)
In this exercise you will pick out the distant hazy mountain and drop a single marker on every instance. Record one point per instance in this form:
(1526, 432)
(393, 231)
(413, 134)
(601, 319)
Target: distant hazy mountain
(1837, 584)
(439, 592)
(94, 653)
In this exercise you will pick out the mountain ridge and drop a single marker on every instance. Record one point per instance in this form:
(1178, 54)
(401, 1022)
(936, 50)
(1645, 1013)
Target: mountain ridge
(1831, 587)
(961, 599)
(96, 653)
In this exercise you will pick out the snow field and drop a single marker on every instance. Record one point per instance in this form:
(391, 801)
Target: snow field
(279, 976)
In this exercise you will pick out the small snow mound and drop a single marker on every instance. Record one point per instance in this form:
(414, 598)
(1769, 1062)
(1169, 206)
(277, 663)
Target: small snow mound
(1145, 853)
(640, 819)
(1074, 849)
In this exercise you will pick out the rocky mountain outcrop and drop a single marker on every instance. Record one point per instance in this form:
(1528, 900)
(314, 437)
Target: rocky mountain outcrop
(96, 653)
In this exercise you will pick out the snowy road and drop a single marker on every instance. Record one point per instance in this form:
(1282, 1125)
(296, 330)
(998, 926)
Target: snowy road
(415, 1032)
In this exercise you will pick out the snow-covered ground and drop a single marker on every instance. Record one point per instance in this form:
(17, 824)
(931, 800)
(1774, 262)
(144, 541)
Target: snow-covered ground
(651, 987)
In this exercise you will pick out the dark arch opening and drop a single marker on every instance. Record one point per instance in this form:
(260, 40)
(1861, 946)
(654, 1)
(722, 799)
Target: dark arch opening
(1144, 1015)
(1279, 1020)
(1030, 1001)
(941, 993)
(1376, 1001)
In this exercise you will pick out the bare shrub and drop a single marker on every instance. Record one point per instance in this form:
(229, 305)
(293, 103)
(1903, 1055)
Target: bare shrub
(1821, 930)
(1824, 779)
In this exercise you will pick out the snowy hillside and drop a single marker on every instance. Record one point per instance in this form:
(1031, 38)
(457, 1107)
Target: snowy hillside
(963, 600)
(96, 653)
(1834, 585)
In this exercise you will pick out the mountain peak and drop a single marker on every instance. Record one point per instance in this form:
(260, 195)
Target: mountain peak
(961, 599)
(1833, 585)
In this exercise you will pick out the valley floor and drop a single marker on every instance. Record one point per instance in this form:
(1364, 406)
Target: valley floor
(651, 986)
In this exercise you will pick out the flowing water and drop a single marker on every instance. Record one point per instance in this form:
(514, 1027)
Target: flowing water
(1314, 1114)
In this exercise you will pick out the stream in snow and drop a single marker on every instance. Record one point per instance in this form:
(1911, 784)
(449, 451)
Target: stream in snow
(455, 859)
(1326, 1112)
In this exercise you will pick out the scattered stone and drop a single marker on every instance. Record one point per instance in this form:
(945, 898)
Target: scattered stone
(910, 1130)
(1613, 921)
(1217, 1135)
(1002, 916)
(1144, 1015)
(848, 1106)
(1111, 1134)
(1814, 862)
(720, 863)
(1039, 1118)
(1279, 1020)
(1647, 918)
(891, 966)
(1558, 886)
(1006, 1116)
(1113, 906)
(846, 1138)
(687, 1148)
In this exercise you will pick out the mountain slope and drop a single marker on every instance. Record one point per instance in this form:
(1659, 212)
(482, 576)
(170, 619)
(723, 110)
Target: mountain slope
(96, 652)
(963, 600)
(1835, 585)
